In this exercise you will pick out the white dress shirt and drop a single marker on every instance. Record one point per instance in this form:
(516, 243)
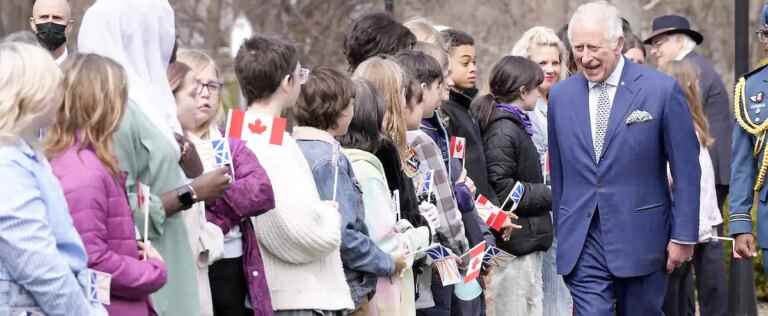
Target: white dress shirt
(613, 82)
(63, 57)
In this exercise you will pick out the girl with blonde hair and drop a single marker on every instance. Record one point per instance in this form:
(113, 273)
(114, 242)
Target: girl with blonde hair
(80, 147)
(390, 81)
(43, 263)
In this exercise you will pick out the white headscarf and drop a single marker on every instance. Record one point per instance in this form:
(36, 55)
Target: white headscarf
(139, 35)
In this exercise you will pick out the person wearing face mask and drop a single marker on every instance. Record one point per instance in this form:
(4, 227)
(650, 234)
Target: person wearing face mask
(51, 22)
(613, 128)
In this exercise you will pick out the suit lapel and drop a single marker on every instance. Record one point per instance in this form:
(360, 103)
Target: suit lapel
(624, 101)
(581, 116)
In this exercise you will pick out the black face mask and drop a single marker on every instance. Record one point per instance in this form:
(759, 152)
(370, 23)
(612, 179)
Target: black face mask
(51, 35)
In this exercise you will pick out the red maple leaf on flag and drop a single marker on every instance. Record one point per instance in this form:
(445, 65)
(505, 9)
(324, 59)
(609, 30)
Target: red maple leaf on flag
(257, 127)
(459, 147)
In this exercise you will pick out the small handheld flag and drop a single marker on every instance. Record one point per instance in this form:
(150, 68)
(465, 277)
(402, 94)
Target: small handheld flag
(475, 262)
(497, 219)
(247, 126)
(492, 215)
(515, 195)
(142, 197)
(396, 204)
(458, 145)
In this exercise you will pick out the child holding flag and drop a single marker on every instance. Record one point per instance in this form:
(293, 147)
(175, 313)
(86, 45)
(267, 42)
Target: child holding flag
(80, 145)
(239, 275)
(300, 237)
(324, 110)
(515, 174)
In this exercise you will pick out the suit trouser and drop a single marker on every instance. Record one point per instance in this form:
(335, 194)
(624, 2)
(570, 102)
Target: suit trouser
(595, 289)
(679, 300)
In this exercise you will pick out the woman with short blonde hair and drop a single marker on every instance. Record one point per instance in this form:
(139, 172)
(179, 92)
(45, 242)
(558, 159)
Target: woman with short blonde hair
(42, 259)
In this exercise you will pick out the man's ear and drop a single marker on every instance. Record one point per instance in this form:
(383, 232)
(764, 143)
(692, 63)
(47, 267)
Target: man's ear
(620, 44)
(68, 30)
(285, 85)
(32, 25)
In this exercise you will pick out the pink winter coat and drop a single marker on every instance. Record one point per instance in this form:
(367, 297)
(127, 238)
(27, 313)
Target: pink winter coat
(102, 215)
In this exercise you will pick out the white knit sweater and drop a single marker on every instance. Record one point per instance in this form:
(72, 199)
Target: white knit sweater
(300, 238)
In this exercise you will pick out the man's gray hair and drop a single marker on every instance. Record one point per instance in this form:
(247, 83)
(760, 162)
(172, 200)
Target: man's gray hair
(598, 12)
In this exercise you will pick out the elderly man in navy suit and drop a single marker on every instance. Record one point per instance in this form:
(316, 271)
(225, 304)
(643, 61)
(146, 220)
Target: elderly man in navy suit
(614, 128)
(673, 39)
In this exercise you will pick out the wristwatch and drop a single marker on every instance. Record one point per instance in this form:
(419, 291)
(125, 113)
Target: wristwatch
(186, 195)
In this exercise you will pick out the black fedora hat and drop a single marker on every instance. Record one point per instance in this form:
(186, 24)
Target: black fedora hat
(671, 24)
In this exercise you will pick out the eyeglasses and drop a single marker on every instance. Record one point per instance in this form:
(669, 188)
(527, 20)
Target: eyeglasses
(658, 41)
(214, 88)
(762, 35)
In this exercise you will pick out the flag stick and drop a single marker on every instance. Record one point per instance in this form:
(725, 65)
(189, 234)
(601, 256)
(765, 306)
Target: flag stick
(506, 200)
(336, 170)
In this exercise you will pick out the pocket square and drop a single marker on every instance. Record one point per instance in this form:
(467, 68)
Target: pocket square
(638, 117)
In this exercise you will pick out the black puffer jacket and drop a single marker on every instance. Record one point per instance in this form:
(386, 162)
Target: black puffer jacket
(462, 123)
(511, 157)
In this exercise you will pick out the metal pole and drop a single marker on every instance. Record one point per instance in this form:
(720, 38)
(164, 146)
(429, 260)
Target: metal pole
(742, 300)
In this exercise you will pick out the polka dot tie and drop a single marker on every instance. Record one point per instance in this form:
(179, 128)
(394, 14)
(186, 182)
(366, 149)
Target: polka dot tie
(601, 118)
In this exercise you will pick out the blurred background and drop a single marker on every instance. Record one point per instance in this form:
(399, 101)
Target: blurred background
(318, 27)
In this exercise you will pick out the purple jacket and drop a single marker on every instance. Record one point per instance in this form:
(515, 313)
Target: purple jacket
(103, 217)
(249, 195)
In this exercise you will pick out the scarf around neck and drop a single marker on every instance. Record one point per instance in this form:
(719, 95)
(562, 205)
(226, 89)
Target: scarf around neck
(519, 114)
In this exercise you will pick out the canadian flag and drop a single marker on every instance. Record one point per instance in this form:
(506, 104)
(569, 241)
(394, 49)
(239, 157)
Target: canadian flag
(482, 201)
(458, 145)
(247, 126)
(496, 219)
(492, 215)
(475, 262)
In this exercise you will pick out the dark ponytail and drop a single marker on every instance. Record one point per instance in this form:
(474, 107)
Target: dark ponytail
(483, 107)
(507, 77)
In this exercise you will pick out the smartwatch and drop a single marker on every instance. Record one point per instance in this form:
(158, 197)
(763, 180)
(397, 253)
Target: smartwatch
(186, 195)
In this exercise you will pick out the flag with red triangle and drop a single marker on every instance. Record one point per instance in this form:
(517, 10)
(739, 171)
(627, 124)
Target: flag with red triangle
(458, 146)
(476, 255)
(248, 126)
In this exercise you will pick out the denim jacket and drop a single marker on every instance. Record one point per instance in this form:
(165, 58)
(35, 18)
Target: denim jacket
(363, 260)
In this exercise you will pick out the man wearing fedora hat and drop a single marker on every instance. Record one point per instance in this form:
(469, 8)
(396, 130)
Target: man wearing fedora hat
(673, 39)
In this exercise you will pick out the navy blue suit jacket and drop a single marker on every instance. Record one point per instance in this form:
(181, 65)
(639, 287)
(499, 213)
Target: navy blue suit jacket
(629, 186)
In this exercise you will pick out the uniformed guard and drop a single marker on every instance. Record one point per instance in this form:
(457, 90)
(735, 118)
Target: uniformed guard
(749, 164)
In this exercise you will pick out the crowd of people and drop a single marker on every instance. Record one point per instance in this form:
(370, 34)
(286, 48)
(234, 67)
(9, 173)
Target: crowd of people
(590, 183)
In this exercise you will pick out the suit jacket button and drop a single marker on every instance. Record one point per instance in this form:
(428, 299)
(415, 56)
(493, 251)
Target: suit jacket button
(255, 273)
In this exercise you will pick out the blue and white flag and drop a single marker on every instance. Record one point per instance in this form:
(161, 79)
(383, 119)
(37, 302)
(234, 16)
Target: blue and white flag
(222, 154)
